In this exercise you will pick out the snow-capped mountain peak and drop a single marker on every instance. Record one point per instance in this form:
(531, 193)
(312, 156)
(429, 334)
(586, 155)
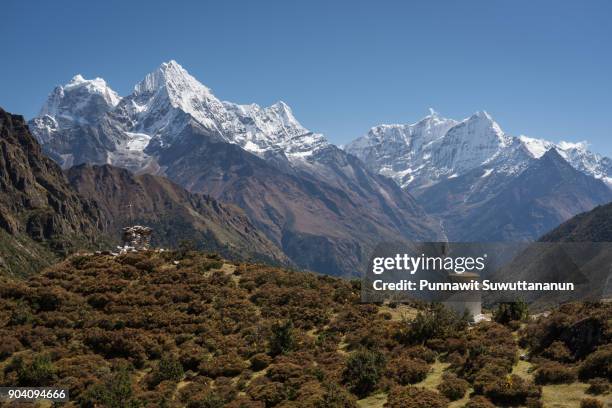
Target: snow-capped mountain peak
(159, 109)
(414, 155)
(77, 98)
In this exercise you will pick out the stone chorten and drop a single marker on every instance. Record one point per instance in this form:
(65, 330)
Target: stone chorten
(137, 237)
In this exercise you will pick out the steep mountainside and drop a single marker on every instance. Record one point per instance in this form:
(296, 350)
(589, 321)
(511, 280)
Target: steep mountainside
(546, 193)
(173, 213)
(40, 214)
(326, 226)
(591, 226)
(316, 202)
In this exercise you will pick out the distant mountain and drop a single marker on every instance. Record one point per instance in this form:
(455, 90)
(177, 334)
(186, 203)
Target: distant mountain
(435, 148)
(482, 183)
(591, 226)
(40, 214)
(174, 214)
(488, 206)
(317, 203)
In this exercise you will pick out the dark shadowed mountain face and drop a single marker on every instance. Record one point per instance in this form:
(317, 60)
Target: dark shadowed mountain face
(326, 216)
(591, 226)
(40, 214)
(478, 207)
(173, 213)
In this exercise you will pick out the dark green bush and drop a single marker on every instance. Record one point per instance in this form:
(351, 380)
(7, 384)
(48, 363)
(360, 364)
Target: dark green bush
(509, 312)
(363, 370)
(282, 339)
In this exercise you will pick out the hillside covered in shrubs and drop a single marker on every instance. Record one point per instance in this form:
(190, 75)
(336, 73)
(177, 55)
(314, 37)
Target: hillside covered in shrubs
(188, 329)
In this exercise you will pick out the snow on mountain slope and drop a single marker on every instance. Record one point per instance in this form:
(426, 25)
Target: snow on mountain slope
(86, 121)
(79, 102)
(437, 148)
(160, 107)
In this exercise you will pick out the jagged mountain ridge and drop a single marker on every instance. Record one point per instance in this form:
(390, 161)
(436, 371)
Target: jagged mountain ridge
(317, 203)
(436, 148)
(479, 181)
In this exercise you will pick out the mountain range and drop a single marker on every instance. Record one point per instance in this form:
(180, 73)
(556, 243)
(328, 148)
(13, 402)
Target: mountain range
(323, 206)
(317, 203)
(46, 213)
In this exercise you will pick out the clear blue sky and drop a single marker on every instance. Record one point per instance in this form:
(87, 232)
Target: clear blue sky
(541, 68)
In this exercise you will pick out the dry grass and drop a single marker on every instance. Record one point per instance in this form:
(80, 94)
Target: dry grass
(373, 401)
(568, 395)
(400, 312)
(434, 378)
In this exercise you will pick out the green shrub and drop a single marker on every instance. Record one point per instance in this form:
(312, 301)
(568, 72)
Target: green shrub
(115, 392)
(363, 370)
(37, 372)
(509, 312)
(438, 322)
(168, 369)
(282, 340)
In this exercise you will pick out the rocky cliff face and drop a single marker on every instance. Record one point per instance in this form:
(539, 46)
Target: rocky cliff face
(37, 205)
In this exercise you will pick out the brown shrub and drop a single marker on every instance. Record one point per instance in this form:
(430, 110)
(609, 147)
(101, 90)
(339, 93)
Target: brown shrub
(591, 403)
(551, 372)
(558, 351)
(452, 387)
(597, 364)
(226, 365)
(479, 401)
(598, 386)
(406, 371)
(510, 390)
(415, 397)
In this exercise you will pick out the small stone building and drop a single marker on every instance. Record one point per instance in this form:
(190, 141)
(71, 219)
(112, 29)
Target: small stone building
(137, 237)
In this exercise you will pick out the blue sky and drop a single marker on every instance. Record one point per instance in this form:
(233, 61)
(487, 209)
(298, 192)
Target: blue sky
(541, 68)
